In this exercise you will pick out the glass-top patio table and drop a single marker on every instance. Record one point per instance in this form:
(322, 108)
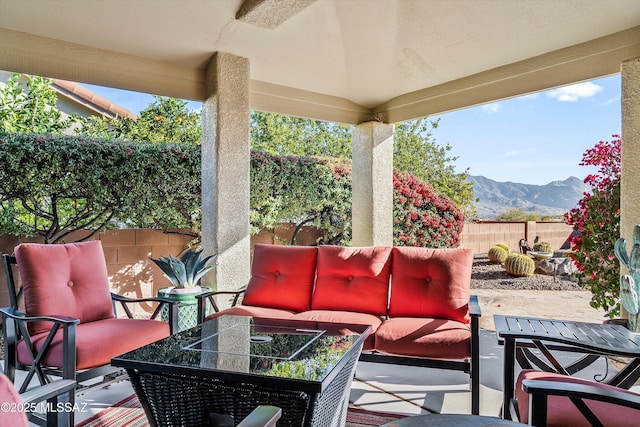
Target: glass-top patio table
(232, 364)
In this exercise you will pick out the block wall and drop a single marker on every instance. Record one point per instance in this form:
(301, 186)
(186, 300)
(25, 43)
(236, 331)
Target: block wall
(127, 252)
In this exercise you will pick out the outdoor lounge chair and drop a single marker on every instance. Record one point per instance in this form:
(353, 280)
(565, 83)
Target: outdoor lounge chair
(69, 327)
(551, 399)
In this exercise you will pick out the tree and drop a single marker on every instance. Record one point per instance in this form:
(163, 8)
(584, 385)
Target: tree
(417, 153)
(286, 135)
(597, 221)
(33, 110)
(519, 215)
(164, 120)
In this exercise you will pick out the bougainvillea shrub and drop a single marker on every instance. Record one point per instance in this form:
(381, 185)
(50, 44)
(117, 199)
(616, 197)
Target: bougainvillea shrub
(596, 220)
(422, 217)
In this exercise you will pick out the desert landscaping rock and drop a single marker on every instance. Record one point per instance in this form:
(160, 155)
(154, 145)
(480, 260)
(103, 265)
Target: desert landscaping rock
(486, 275)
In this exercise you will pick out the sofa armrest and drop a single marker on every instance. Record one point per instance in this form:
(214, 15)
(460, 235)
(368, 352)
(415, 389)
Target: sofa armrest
(474, 306)
(171, 304)
(209, 297)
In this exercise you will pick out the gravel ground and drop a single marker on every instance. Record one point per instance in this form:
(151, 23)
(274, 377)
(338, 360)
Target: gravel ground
(492, 276)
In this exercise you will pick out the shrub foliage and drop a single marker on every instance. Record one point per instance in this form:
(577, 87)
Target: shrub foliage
(52, 186)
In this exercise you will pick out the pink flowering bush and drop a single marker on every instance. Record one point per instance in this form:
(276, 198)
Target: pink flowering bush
(422, 217)
(597, 221)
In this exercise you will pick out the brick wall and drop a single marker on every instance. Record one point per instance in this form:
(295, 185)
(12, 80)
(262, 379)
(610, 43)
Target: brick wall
(127, 252)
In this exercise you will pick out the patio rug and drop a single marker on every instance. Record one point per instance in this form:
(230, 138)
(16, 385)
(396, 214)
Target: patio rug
(128, 413)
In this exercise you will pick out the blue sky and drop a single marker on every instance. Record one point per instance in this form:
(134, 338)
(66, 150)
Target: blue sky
(533, 139)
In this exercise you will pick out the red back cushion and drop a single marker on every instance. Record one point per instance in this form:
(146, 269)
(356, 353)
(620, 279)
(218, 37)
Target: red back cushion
(353, 279)
(64, 280)
(282, 277)
(431, 283)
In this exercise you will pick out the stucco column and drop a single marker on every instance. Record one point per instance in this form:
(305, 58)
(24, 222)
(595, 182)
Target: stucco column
(225, 170)
(630, 181)
(372, 211)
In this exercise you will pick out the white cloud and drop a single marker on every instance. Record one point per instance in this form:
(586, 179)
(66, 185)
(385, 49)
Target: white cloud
(574, 92)
(491, 108)
(511, 153)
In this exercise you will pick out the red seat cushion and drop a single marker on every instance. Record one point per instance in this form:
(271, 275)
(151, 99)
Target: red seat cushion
(249, 310)
(353, 279)
(431, 283)
(282, 277)
(98, 342)
(432, 338)
(69, 280)
(561, 412)
(325, 319)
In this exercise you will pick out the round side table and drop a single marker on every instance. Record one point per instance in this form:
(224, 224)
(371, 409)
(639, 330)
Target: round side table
(448, 420)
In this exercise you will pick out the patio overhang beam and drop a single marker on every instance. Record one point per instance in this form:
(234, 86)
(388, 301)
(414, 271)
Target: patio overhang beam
(31, 54)
(593, 59)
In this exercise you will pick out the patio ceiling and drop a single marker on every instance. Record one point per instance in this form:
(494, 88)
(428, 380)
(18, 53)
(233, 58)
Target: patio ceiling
(341, 60)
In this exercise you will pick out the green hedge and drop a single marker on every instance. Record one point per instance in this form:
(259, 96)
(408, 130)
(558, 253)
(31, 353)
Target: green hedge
(52, 186)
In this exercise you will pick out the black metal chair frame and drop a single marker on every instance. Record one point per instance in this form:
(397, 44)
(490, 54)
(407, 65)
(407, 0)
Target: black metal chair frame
(14, 328)
(540, 391)
(470, 366)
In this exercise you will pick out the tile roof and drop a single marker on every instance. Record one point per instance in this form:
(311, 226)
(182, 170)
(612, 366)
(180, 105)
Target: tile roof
(91, 99)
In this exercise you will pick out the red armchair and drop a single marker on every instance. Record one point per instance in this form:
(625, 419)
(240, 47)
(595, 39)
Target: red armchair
(69, 327)
(553, 400)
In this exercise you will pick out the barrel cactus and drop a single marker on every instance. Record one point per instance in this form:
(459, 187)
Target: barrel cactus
(543, 247)
(497, 254)
(519, 265)
(504, 246)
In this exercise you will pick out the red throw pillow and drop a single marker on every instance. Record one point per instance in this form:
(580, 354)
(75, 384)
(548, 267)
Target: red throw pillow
(353, 279)
(64, 280)
(282, 277)
(431, 283)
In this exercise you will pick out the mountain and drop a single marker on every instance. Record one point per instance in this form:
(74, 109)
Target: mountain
(551, 199)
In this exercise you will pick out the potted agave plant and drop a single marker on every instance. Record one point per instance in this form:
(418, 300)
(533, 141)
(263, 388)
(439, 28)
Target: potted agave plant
(185, 274)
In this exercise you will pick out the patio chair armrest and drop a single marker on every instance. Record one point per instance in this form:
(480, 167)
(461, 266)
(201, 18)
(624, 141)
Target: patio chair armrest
(15, 329)
(47, 391)
(262, 416)
(171, 304)
(20, 316)
(474, 306)
(209, 296)
(544, 388)
(540, 390)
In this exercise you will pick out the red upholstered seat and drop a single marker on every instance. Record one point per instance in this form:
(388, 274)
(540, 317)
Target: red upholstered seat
(432, 283)
(431, 338)
(71, 280)
(353, 279)
(324, 317)
(99, 341)
(282, 277)
(562, 413)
